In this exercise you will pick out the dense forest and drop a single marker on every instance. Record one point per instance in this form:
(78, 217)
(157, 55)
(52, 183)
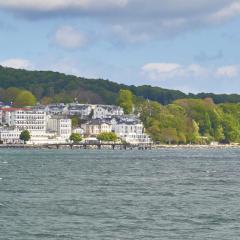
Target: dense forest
(198, 121)
(192, 121)
(49, 87)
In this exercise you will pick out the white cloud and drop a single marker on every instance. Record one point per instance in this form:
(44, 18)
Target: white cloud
(161, 71)
(225, 13)
(17, 63)
(69, 37)
(168, 71)
(59, 5)
(230, 71)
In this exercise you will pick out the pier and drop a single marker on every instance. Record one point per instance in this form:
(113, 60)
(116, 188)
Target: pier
(113, 146)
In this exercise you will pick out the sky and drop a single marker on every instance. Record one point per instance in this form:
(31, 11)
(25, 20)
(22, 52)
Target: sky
(188, 45)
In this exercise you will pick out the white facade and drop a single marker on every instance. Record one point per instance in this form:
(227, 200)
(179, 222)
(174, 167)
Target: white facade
(82, 110)
(134, 138)
(10, 136)
(47, 138)
(106, 111)
(95, 127)
(125, 128)
(130, 129)
(79, 131)
(31, 120)
(62, 126)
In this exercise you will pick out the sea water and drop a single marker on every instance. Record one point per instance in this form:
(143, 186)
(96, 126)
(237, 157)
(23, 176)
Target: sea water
(98, 194)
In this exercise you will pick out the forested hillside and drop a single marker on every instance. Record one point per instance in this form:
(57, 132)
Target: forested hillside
(50, 86)
(198, 121)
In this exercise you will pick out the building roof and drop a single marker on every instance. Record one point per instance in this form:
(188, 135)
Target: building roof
(15, 109)
(98, 122)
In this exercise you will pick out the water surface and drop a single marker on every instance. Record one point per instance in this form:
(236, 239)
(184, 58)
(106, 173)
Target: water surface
(89, 194)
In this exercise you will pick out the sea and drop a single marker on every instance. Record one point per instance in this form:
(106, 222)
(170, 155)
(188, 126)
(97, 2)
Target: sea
(116, 194)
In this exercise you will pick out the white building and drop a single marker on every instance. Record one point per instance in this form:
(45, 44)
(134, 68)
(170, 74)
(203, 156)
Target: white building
(130, 129)
(95, 127)
(106, 111)
(60, 125)
(43, 128)
(10, 135)
(56, 109)
(81, 110)
(79, 131)
(28, 119)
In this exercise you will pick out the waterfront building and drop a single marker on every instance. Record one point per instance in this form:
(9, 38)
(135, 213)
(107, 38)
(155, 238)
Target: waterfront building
(28, 119)
(10, 136)
(130, 129)
(96, 126)
(61, 125)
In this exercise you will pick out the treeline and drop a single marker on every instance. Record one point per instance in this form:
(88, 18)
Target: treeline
(197, 121)
(191, 121)
(17, 97)
(50, 87)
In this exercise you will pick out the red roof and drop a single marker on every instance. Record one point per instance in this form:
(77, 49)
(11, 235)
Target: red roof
(14, 109)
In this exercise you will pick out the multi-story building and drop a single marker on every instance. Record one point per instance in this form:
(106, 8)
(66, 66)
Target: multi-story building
(129, 129)
(10, 136)
(62, 126)
(28, 119)
(96, 126)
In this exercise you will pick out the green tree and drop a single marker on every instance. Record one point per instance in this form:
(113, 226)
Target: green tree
(25, 98)
(169, 135)
(25, 136)
(231, 128)
(75, 121)
(107, 137)
(76, 137)
(181, 138)
(125, 100)
(10, 94)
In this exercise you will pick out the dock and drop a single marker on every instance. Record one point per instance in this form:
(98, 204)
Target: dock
(113, 146)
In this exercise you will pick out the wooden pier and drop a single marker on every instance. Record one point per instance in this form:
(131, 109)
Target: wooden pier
(99, 146)
(113, 146)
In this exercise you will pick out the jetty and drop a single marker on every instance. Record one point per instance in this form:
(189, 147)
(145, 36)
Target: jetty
(113, 146)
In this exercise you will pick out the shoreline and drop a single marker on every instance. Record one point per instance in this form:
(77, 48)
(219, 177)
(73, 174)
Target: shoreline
(133, 147)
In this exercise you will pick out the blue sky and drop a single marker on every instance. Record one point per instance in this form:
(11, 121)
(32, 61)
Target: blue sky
(188, 45)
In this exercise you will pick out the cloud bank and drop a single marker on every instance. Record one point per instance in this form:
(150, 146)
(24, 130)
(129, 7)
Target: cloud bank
(168, 71)
(132, 20)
